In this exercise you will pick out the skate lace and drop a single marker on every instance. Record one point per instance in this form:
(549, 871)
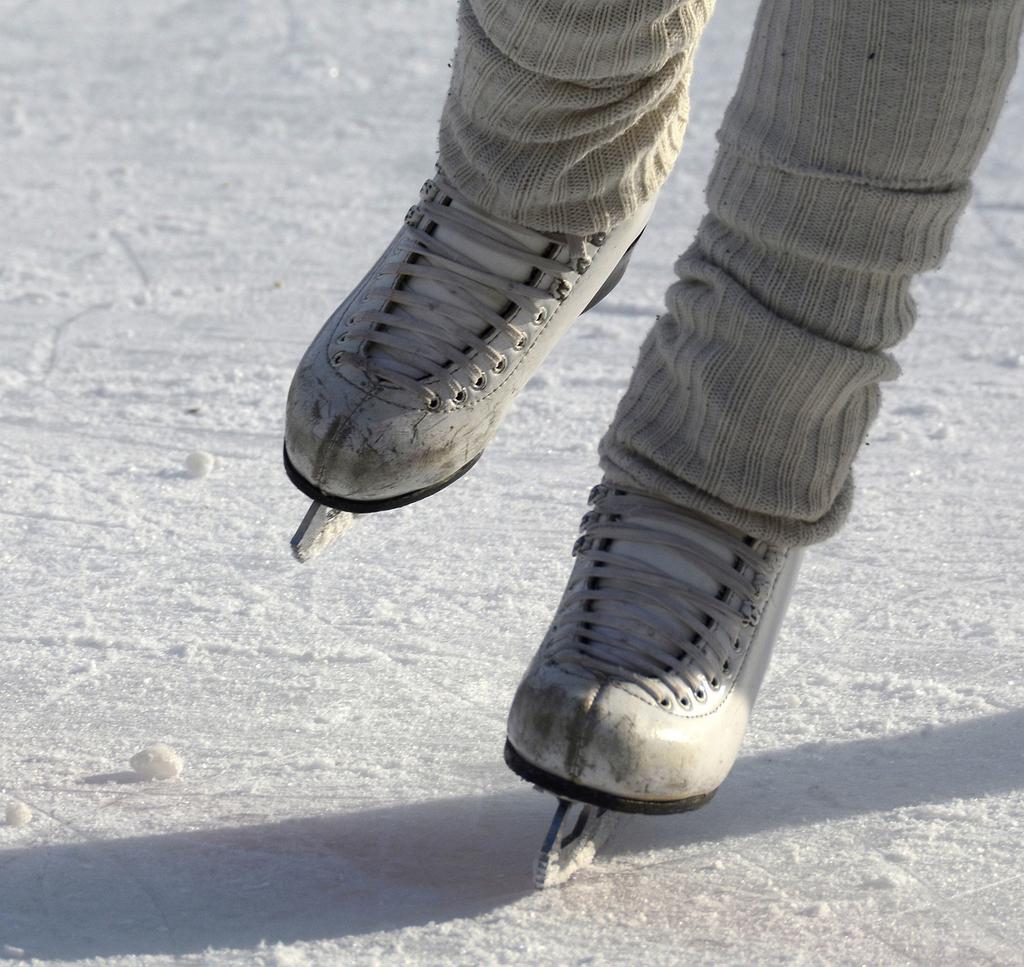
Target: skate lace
(674, 641)
(412, 335)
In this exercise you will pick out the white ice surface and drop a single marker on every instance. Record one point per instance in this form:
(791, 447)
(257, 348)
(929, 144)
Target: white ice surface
(188, 188)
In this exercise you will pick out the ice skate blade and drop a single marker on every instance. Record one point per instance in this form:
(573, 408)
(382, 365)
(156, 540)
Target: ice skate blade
(320, 528)
(577, 832)
(567, 789)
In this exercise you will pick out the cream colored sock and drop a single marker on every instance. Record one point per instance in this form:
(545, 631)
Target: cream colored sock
(567, 115)
(844, 164)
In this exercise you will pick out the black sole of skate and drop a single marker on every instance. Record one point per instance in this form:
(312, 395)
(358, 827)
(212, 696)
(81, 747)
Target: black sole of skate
(403, 500)
(566, 789)
(369, 506)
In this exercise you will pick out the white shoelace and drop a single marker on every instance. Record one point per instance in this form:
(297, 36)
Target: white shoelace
(643, 609)
(440, 308)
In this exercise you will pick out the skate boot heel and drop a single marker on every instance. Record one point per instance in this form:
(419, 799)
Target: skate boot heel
(616, 276)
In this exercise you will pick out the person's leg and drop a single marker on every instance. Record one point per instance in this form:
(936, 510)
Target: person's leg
(844, 163)
(567, 115)
(563, 119)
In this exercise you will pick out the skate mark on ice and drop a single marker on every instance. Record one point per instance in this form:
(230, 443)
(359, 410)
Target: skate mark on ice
(297, 36)
(49, 346)
(1000, 206)
(987, 886)
(133, 257)
(60, 519)
(988, 213)
(126, 435)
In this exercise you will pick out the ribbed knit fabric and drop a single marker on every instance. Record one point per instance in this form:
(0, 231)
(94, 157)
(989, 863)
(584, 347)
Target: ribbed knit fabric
(567, 115)
(843, 165)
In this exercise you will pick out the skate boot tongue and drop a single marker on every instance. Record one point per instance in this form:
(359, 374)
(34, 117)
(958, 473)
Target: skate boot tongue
(503, 263)
(668, 559)
(672, 562)
(460, 233)
(657, 594)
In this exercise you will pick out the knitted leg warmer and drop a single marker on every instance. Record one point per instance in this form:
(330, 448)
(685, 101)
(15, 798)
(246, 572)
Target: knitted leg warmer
(843, 165)
(567, 115)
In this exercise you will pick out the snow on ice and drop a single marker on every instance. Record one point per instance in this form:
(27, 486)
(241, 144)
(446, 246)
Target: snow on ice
(17, 814)
(200, 463)
(157, 762)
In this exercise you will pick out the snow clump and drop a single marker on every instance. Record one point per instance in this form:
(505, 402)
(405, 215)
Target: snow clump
(199, 463)
(18, 814)
(157, 762)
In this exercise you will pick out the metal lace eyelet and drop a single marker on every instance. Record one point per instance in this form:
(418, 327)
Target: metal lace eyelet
(700, 694)
(541, 317)
(480, 382)
(665, 703)
(598, 238)
(520, 344)
(582, 264)
(560, 289)
(499, 366)
(434, 403)
(338, 358)
(460, 395)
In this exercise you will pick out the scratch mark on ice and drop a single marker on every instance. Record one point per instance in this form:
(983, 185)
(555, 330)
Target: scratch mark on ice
(57, 518)
(132, 256)
(61, 330)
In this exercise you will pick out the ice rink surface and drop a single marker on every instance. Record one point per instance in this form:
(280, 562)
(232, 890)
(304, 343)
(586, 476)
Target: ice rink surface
(188, 189)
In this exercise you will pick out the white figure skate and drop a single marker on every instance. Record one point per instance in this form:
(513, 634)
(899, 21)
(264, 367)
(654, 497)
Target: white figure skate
(408, 380)
(639, 695)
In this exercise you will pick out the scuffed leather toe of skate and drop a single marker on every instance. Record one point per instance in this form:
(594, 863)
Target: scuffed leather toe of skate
(351, 439)
(549, 716)
(352, 443)
(608, 736)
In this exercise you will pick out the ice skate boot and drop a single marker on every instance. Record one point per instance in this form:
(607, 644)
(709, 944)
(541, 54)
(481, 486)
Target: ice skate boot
(639, 695)
(408, 380)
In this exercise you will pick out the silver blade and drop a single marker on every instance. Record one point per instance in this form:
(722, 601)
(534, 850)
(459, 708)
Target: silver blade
(576, 833)
(320, 528)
